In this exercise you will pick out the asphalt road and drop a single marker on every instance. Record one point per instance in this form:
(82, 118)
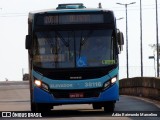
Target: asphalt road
(15, 97)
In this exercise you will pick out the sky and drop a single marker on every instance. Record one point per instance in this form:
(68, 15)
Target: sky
(14, 28)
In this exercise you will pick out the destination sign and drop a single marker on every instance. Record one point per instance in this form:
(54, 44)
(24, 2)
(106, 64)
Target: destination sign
(52, 19)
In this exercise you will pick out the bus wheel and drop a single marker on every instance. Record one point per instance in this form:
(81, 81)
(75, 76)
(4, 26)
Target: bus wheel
(109, 107)
(96, 106)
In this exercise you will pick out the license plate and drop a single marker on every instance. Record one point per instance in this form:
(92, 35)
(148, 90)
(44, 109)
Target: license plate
(76, 95)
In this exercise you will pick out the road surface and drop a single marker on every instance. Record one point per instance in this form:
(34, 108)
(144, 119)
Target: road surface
(15, 97)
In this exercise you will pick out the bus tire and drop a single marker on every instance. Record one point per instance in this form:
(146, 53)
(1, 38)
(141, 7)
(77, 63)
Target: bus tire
(109, 107)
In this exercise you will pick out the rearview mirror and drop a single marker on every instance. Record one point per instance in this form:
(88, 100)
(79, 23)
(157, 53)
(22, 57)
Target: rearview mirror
(28, 42)
(120, 40)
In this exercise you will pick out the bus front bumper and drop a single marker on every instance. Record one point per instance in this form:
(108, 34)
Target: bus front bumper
(41, 96)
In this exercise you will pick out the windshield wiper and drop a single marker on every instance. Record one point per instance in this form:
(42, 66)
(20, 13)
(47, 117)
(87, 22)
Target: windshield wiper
(62, 39)
(83, 40)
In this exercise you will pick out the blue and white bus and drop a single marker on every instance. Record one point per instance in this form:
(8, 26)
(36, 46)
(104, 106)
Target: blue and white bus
(73, 57)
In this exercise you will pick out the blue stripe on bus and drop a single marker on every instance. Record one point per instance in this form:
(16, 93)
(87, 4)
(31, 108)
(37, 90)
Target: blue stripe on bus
(76, 84)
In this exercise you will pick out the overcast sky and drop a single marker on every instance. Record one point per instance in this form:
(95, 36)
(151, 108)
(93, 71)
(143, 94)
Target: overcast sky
(13, 28)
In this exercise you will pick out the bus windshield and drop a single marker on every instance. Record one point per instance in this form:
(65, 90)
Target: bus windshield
(73, 49)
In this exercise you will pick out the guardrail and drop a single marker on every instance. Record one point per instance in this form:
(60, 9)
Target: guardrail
(148, 87)
(3, 83)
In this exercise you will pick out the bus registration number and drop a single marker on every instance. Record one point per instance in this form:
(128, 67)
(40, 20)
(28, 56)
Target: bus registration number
(76, 95)
(93, 84)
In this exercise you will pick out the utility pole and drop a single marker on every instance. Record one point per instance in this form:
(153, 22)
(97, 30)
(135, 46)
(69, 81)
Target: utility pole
(126, 35)
(157, 38)
(141, 44)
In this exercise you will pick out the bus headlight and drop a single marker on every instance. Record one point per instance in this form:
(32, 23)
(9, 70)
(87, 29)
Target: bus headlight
(113, 80)
(41, 85)
(45, 87)
(109, 83)
(106, 84)
(38, 83)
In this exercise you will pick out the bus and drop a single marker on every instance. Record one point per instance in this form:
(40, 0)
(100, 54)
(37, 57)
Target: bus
(73, 57)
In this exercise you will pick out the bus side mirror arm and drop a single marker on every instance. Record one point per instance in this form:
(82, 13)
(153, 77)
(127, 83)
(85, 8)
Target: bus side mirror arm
(28, 42)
